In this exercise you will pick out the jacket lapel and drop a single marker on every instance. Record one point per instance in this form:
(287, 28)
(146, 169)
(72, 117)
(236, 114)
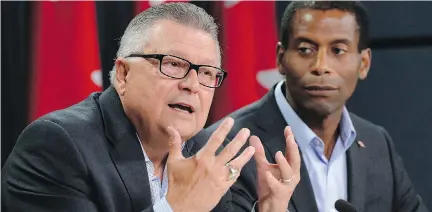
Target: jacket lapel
(131, 167)
(357, 171)
(189, 148)
(271, 121)
(126, 153)
(303, 197)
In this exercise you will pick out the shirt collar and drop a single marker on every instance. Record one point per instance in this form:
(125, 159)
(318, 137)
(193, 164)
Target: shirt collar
(303, 134)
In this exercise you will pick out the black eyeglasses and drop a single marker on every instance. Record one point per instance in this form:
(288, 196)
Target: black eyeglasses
(178, 68)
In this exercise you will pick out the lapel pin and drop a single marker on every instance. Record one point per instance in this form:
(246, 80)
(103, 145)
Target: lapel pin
(361, 144)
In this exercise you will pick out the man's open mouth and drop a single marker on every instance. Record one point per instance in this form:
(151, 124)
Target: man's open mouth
(183, 107)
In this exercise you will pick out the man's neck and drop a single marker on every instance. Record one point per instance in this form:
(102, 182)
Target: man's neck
(325, 127)
(153, 141)
(155, 144)
(156, 153)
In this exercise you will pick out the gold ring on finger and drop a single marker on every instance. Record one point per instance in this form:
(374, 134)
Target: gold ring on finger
(287, 181)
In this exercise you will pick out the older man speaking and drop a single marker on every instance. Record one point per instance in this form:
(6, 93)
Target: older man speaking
(137, 146)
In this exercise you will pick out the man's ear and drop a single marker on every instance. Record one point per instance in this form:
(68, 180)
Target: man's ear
(280, 53)
(122, 70)
(366, 58)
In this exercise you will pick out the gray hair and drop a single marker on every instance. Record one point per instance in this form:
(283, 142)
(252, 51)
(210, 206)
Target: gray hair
(135, 36)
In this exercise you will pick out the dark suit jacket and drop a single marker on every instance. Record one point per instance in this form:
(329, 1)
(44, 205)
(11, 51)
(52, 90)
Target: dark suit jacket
(377, 180)
(83, 158)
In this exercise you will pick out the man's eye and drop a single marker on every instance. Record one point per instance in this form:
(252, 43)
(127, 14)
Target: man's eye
(339, 51)
(174, 64)
(208, 73)
(305, 50)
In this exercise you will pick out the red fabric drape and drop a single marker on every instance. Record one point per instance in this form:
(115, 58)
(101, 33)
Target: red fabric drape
(249, 53)
(66, 64)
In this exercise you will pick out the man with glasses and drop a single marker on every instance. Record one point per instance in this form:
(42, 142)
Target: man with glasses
(138, 145)
(178, 68)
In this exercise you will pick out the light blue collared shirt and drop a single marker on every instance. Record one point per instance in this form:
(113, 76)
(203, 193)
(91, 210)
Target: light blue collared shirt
(158, 189)
(328, 177)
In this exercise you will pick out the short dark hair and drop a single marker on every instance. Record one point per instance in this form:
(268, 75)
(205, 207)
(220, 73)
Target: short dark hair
(354, 7)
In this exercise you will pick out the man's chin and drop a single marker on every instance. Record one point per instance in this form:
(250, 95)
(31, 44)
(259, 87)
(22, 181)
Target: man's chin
(320, 109)
(186, 131)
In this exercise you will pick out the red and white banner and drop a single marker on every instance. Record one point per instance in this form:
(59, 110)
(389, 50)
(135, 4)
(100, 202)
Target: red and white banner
(66, 63)
(249, 54)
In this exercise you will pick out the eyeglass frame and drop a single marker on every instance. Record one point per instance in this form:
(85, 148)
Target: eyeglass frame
(191, 66)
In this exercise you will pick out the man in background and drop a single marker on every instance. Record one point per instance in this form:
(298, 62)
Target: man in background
(322, 53)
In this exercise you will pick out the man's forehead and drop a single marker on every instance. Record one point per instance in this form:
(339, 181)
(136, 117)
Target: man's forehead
(168, 37)
(332, 21)
(208, 58)
(179, 46)
(169, 31)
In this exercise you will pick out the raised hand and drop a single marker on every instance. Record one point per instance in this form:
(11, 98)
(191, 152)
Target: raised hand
(276, 182)
(197, 183)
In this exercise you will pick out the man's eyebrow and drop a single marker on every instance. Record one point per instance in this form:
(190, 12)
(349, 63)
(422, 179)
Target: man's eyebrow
(341, 40)
(336, 41)
(306, 40)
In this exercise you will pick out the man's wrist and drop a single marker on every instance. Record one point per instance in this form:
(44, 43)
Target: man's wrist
(257, 207)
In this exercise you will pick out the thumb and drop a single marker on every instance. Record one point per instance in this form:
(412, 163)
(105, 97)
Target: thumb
(175, 142)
